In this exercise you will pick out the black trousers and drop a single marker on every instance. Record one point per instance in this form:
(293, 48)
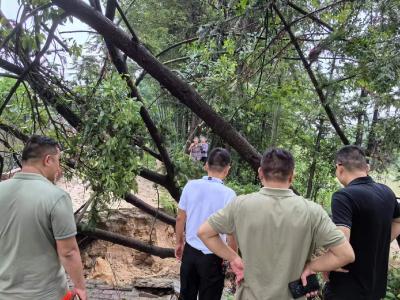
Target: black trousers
(201, 274)
(329, 294)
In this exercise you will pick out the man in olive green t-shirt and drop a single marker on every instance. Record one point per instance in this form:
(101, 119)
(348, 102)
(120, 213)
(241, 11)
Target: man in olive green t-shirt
(37, 229)
(277, 232)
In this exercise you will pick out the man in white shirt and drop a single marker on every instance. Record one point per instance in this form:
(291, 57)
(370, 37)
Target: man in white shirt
(201, 270)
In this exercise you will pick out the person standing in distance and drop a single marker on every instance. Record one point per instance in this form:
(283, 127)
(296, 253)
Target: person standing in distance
(368, 214)
(204, 148)
(37, 229)
(201, 271)
(195, 149)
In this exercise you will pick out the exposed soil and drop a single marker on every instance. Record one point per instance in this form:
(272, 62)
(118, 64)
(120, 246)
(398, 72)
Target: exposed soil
(118, 265)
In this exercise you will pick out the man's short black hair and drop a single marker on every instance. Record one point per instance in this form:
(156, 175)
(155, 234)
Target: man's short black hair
(218, 159)
(277, 164)
(38, 146)
(352, 158)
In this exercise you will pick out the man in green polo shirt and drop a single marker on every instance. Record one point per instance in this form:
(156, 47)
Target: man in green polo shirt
(37, 229)
(277, 232)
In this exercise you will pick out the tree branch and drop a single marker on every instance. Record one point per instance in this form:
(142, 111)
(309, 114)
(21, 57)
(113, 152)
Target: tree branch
(14, 131)
(153, 176)
(139, 142)
(9, 75)
(126, 241)
(310, 15)
(78, 31)
(8, 146)
(160, 215)
(6, 65)
(313, 79)
(59, 41)
(122, 14)
(143, 73)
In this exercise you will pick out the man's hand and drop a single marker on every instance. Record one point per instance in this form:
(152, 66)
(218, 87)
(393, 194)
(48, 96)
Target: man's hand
(307, 272)
(325, 276)
(238, 268)
(179, 229)
(179, 251)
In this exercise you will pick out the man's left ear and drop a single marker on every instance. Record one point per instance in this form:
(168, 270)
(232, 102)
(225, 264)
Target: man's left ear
(260, 174)
(291, 177)
(46, 160)
(228, 168)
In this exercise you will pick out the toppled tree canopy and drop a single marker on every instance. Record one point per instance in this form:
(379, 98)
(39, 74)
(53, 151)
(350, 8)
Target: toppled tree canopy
(248, 74)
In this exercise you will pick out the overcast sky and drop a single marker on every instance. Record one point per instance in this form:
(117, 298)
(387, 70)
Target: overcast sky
(10, 9)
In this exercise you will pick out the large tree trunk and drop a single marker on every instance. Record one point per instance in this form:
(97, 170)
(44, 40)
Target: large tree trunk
(176, 86)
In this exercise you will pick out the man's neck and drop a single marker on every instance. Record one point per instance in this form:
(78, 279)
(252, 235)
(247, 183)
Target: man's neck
(276, 185)
(216, 175)
(352, 176)
(32, 169)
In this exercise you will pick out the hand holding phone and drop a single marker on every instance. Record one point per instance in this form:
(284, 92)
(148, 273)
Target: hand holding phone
(298, 290)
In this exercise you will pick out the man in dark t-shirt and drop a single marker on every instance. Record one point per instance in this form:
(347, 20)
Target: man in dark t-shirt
(365, 211)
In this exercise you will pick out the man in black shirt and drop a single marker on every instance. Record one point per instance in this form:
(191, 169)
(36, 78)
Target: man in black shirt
(368, 214)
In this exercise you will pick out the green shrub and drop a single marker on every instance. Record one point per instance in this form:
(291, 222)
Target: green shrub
(242, 189)
(393, 288)
(168, 204)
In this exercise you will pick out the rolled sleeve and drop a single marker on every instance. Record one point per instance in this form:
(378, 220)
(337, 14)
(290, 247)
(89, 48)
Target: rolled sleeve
(326, 234)
(342, 209)
(62, 218)
(223, 220)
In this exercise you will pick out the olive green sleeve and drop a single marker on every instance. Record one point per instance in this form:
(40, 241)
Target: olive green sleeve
(325, 232)
(62, 218)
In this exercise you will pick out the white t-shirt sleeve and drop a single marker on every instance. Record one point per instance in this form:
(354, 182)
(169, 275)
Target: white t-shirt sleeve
(183, 200)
